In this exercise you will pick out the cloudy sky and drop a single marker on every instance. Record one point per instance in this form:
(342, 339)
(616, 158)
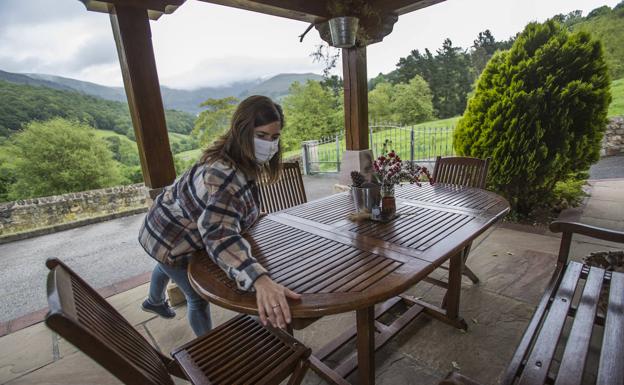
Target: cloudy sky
(209, 45)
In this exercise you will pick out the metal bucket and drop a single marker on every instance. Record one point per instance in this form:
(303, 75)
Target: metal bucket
(343, 31)
(365, 198)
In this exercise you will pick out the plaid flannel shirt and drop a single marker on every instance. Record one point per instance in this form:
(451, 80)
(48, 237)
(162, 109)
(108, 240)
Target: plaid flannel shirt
(209, 207)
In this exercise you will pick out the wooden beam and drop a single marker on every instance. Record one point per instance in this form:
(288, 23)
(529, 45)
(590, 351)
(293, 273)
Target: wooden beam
(134, 46)
(155, 8)
(355, 97)
(401, 7)
(302, 10)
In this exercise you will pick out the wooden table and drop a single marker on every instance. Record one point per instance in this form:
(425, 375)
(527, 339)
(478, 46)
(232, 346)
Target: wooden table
(340, 266)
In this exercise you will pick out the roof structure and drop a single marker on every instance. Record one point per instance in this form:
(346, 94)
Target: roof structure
(131, 30)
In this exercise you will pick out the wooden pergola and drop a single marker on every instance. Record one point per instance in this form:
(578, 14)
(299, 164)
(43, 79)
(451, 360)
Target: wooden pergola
(131, 29)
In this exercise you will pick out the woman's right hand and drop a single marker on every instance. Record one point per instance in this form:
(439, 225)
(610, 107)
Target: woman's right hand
(272, 303)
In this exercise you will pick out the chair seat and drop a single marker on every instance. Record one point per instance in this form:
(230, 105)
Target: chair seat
(239, 352)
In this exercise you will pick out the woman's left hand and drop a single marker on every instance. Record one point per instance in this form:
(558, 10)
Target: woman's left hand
(272, 304)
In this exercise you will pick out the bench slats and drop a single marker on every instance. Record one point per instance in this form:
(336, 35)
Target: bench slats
(538, 363)
(575, 354)
(611, 367)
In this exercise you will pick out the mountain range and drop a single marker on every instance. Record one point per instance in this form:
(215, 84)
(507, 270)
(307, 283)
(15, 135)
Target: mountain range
(275, 87)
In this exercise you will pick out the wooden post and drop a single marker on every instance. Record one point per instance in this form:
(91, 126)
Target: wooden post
(355, 97)
(136, 55)
(357, 156)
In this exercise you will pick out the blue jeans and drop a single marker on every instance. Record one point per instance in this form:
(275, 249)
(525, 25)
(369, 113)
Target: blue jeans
(198, 309)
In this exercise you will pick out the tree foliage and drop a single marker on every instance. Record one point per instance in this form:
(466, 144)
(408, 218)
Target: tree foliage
(60, 156)
(215, 119)
(539, 112)
(449, 72)
(311, 111)
(403, 103)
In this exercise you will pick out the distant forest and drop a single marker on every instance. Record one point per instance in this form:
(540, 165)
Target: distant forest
(20, 104)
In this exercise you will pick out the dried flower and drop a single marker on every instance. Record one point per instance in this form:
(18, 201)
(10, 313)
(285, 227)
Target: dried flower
(391, 170)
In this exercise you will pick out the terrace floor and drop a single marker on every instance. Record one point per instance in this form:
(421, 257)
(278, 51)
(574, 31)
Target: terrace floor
(513, 262)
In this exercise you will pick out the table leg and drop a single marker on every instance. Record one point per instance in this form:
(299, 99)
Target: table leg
(366, 345)
(454, 286)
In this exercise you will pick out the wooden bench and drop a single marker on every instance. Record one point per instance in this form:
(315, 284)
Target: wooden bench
(588, 341)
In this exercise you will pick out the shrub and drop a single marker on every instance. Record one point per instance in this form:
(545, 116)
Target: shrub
(60, 156)
(539, 111)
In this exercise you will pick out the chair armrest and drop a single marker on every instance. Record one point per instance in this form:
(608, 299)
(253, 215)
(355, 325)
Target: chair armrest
(591, 231)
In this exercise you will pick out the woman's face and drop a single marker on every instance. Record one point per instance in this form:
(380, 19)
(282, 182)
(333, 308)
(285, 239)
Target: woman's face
(269, 132)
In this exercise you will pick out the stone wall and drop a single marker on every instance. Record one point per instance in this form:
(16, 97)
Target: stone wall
(30, 214)
(613, 141)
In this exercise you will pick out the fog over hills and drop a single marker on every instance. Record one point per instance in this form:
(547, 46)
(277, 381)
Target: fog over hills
(275, 87)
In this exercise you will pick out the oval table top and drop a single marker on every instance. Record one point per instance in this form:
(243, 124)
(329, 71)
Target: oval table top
(339, 265)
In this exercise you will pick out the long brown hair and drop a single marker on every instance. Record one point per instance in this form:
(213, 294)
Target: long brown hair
(236, 146)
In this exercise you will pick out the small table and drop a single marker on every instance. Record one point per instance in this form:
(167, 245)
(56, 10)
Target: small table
(340, 266)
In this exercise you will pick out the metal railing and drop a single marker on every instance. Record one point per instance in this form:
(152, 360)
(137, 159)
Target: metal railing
(418, 144)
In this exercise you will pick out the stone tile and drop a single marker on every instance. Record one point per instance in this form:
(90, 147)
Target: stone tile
(64, 348)
(604, 209)
(482, 352)
(608, 183)
(578, 250)
(600, 222)
(4, 328)
(129, 302)
(24, 351)
(509, 264)
(75, 369)
(27, 320)
(393, 368)
(481, 238)
(607, 192)
(132, 282)
(508, 240)
(325, 330)
(220, 315)
(170, 333)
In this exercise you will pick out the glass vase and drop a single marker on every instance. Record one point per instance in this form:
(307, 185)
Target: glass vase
(388, 202)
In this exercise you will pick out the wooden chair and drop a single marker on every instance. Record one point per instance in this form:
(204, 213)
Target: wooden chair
(591, 351)
(287, 192)
(240, 351)
(462, 171)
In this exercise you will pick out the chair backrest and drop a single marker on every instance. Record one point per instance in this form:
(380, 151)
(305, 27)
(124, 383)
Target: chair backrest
(461, 171)
(85, 319)
(287, 192)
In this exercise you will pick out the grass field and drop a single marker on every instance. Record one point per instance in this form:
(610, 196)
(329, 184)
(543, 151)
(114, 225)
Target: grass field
(190, 154)
(173, 137)
(617, 103)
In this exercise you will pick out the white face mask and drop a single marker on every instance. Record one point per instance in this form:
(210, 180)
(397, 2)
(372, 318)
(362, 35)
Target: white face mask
(265, 150)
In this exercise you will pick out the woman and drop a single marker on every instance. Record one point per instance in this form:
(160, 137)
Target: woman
(209, 207)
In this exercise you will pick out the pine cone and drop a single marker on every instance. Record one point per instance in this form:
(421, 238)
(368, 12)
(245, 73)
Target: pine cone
(357, 178)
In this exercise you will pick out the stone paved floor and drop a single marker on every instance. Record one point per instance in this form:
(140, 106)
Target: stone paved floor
(513, 265)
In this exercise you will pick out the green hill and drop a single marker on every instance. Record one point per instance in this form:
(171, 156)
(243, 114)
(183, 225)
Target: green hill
(616, 108)
(176, 99)
(277, 86)
(607, 25)
(21, 103)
